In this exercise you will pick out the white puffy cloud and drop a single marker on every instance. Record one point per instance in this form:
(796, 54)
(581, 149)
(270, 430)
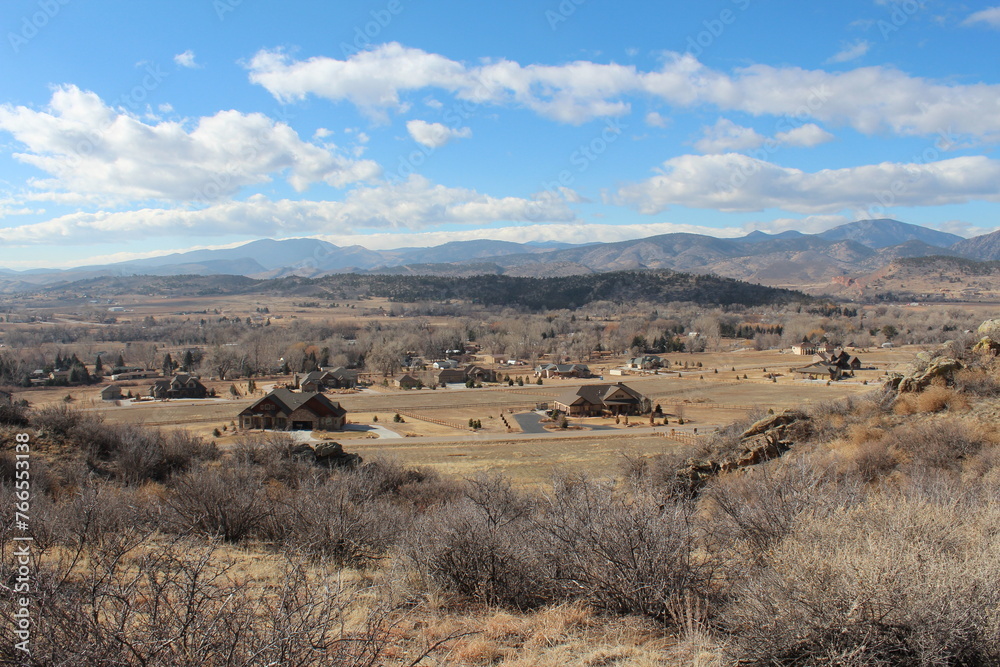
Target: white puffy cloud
(990, 16)
(656, 119)
(851, 51)
(726, 136)
(734, 182)
(435, 135)
(806, 136)
(369, 79)
(410, 204)
(89, 148)
(373, 80)
(869, 99)
(186, 59)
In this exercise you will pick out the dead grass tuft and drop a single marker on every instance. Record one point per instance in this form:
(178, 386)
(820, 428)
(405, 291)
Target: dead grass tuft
(933, 399)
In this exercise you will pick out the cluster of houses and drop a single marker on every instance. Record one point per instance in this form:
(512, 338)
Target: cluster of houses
(447, 374)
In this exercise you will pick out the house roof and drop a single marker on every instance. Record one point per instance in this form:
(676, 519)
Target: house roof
(563, 368)
(818, 367)
(596, 394)
(290, 401)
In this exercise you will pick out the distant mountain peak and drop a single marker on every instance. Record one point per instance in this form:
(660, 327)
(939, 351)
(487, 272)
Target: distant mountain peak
(885, 232)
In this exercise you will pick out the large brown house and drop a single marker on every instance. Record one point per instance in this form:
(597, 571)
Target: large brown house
(182, 385)
(593, 400)
(287, 410)
(336, 378)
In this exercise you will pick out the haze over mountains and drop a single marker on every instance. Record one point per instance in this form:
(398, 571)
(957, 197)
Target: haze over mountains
(790, 258)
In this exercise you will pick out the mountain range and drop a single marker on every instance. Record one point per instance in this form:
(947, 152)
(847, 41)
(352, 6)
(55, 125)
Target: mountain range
(789, 259)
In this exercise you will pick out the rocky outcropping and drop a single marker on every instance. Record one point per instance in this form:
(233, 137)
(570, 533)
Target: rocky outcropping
(766, 439)
(922, 377)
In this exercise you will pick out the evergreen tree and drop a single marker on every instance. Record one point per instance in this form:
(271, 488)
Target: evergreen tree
(98, 366)
(168, 364)
(188, 363)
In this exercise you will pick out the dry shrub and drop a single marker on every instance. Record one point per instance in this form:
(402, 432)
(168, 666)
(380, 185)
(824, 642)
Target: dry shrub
(874, 460)
(621, 553)
(59, 419)
(933, 399)
(978, 381)
(895, 581)
(747, 514)
(182, 604)
(337, 518)
(940, 444)
(484, 546)
(228, 502)
(13, 413)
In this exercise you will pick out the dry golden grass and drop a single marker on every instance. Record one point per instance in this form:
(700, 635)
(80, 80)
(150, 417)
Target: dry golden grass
(933, 399)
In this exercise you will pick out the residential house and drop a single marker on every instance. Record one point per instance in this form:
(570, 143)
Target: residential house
(287, 410)
(446, 363)
(599, 399)
(132, 374)
(182, 385)
(326, 378)
(111, 393)
(406, 381)
(819, 370)
(562, 371)
(480, 374)
(449, 376)
(646, 362)
(839, 358)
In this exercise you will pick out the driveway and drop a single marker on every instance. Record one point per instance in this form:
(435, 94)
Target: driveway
(382, 432)
(530, 422)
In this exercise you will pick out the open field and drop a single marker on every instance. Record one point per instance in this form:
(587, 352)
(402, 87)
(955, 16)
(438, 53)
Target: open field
(435, 429)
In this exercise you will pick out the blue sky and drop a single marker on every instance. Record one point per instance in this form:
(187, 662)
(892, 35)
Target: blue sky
(133, 129)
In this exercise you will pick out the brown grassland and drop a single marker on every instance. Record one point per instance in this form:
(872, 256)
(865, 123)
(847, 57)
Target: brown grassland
(859, 526)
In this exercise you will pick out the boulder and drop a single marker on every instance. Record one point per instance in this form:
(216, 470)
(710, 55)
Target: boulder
(765, 451)
(942, 367)
(774, 421)
(303, 451)
(987, 346)
(990, 329)
(326, 449)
